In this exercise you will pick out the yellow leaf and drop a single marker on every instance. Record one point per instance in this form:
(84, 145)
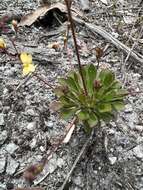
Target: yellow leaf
(2, 43)
(28, 68)
(26, 58)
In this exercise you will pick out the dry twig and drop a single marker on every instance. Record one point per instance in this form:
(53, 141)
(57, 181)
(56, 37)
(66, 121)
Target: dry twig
(77, 160)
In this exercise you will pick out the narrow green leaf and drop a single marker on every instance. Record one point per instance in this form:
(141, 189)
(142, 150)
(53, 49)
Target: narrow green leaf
(67, 113)
(83, 115)
(118, 105)
(104, 107)
(107, 77)
(72, 84)
(106, 116)
(91, 76)
(93, 120)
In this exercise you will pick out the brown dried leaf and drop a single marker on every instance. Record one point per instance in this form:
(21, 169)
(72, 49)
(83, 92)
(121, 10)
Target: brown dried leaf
(30, 18)
(99, 52)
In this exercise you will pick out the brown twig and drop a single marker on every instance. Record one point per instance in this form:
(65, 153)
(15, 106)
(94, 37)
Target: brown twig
(75, 44)
(43, 80)
(76, 160)
(13, 43)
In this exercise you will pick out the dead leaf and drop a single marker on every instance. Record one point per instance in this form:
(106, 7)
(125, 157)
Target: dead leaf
(99, 52)
(30, 18)
(54, 45)
(70, 132)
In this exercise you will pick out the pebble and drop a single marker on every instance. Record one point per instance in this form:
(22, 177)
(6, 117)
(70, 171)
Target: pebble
(2, 164)
(112, 160)
(31, 112)
(33, 143)
(2, 186)
(50, 124)
(31, 126)
(78, 181)
(12, 166)
(111, 132)
(139, 128)
(128, 108)
(2, 119)
(11, 148)
(42, 149)
(138, 151)
(60, 162)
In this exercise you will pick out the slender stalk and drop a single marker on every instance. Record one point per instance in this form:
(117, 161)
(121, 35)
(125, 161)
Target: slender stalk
(75, 44)
(13, 43)
(43, 80)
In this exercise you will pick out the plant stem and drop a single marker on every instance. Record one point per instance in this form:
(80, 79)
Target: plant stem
(13, 43)
(75, 44)
(43, 80)
(98, 63)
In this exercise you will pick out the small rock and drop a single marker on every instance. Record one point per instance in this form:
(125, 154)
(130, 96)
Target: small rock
(12, 166)
(30, 112)
(2, 164)
(31, 126)
(33, 143)
(42, 149)
(139, 128)
(9, 72)
(50, 124)
(138, 151)
(2, 186)
(11, 148)
(112, 160)
(115, 34)
(78, 181)
(60, 162)
(3, 137)
(128, 108)
(2, 119)
(111, 131)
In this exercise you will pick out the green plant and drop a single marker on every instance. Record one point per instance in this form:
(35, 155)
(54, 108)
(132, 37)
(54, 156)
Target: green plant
(103, 99)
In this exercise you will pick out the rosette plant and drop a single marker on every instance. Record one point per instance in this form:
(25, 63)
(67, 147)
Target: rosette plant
(104, 97)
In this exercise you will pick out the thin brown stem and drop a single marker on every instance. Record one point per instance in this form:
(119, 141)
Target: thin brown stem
(43, 80)
(13, 43)
(98, 63)
(75, 44)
